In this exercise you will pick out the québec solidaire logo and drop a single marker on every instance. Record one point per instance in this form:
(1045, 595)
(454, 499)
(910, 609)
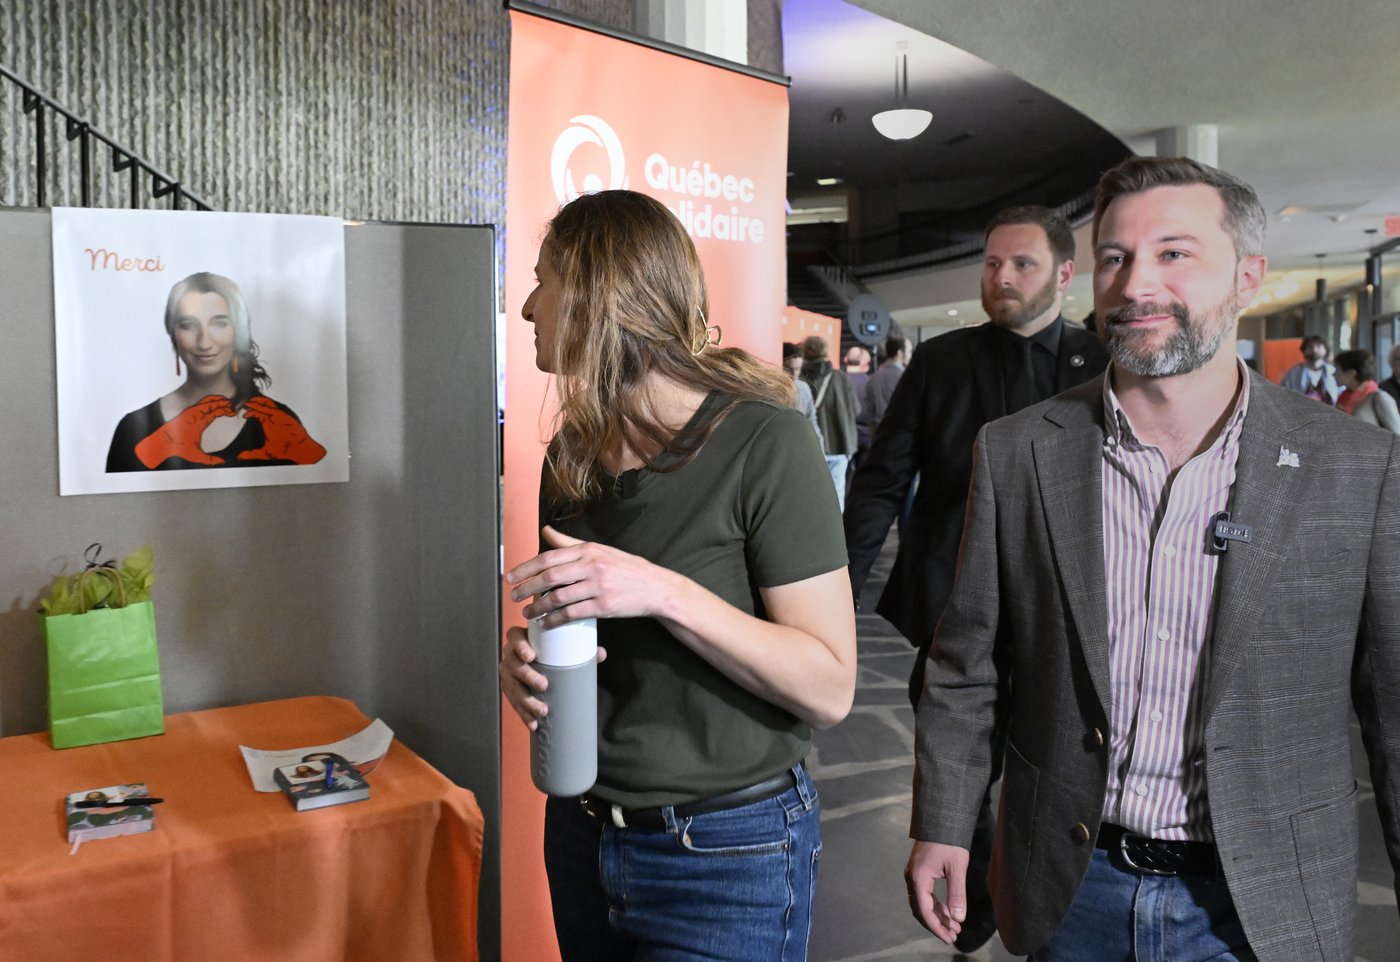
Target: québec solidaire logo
(586, 129)
(710, 203)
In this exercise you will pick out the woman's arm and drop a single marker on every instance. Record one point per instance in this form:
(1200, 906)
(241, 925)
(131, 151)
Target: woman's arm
(803, 659)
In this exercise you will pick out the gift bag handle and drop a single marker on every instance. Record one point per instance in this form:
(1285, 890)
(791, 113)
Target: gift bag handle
(112, 576)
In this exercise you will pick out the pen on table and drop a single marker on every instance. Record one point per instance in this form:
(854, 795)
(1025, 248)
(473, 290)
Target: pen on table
(330, 773)
(117, 803)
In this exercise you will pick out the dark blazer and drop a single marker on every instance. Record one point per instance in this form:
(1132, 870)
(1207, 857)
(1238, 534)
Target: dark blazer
(1391, 386)
(951, 388)
(1306, 628)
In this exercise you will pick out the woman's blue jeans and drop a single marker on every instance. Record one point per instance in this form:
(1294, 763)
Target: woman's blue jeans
(735, 885)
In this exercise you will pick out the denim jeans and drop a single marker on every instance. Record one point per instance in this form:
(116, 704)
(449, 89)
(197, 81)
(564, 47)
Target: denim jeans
(734, 885)
(836, 464)
(1121, 916)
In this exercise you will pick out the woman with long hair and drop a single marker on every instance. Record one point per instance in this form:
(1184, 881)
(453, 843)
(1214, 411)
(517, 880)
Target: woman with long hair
(219, 416)
(685, 504)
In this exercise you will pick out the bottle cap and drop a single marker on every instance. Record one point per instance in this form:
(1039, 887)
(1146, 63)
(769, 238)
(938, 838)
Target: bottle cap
(571, 643)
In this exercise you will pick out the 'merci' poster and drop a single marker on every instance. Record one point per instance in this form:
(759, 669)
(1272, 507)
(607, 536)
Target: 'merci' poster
(198, 350)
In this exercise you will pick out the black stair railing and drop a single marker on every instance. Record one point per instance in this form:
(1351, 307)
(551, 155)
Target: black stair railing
(124, 160)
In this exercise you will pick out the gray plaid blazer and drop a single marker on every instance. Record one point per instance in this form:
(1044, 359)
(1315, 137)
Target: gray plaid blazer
(1307, 627)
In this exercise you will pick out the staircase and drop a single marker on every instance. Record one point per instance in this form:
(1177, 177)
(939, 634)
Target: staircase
(63, 168)
(807, 289)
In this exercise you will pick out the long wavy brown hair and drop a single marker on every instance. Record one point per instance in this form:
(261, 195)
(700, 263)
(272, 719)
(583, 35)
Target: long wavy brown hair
(632, 302)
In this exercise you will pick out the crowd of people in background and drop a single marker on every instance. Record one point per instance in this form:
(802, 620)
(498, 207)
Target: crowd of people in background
(846, 405)
(1347, 383)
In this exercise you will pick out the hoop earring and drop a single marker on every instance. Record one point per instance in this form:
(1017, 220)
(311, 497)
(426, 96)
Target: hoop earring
(177, 363)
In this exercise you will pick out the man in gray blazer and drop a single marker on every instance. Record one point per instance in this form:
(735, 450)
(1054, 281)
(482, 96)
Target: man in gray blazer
(1176, 583)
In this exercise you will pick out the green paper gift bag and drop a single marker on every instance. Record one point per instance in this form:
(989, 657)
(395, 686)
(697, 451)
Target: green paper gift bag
(104, 674)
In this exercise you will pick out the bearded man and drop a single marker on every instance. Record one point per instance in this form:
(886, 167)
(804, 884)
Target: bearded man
(1176, 584)
(954, 384)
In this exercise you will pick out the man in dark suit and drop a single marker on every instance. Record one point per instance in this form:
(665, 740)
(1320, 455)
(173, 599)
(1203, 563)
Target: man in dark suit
(1167, 649)
(954, 384)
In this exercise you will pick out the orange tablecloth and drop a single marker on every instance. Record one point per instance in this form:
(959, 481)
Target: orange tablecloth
(228, 872)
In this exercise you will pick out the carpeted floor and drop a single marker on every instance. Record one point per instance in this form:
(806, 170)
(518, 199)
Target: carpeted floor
(863, 769)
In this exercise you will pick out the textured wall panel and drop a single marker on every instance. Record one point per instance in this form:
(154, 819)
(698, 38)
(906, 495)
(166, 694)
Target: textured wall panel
(374, 109)
(370, 109)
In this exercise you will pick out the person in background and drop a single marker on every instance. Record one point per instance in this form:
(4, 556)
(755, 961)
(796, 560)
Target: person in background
(837, 408)
(1391, 385)
(684, 506)
(1173, 686)
(1362, 397)
(857, 365)
(1314, 375)
(880, 388)
(878, 391)
(956, 383)
(804, 402)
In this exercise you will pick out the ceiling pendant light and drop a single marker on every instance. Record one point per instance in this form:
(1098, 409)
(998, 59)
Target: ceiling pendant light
(903, 122)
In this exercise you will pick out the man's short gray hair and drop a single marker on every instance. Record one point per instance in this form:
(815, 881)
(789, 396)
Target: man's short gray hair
(1244, 215)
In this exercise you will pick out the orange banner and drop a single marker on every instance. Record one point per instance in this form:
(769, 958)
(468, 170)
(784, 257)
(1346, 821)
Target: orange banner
(1279, 356)
(799, 324)
(590, 112)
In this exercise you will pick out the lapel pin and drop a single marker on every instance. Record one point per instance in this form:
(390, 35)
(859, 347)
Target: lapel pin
(1076, 360)
(1287, 458)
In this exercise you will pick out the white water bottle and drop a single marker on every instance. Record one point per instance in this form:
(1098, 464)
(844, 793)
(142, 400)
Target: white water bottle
(564, 744)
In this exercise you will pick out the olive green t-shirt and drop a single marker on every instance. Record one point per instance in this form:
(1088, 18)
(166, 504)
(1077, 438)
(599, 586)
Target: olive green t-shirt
(754, 508)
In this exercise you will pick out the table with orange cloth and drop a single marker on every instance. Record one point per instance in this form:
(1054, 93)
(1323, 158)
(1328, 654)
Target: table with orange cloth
(230, 873)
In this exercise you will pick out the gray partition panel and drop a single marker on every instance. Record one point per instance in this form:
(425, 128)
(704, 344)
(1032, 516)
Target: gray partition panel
(384, 590)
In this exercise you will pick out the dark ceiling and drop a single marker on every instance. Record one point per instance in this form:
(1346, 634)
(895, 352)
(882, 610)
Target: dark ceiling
(995, 141)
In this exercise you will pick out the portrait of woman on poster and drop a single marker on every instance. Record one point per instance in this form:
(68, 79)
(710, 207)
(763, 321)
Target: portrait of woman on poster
(686, 505)
(219, 416)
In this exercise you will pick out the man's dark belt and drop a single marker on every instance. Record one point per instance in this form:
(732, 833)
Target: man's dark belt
(652, 819)
(1157, 856)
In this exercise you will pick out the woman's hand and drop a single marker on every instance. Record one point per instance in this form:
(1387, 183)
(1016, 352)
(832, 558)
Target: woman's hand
(803, 659)
(583, 579)
(520, 683)
(284, 437)
(179, 437)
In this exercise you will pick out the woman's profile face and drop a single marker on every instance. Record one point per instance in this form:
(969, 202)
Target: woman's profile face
(204, 333)
(541, 310)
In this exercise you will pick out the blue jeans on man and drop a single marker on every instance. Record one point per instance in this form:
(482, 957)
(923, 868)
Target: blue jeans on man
(1120, 915)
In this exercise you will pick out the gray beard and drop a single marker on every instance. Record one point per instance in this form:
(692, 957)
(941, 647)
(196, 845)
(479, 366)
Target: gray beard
(1187, 350)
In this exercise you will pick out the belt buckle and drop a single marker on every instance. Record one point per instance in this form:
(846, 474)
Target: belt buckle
(604, 811)
(1124, 849)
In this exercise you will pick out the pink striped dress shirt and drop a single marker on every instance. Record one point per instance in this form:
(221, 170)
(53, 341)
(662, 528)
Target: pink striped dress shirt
(1160, 574)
